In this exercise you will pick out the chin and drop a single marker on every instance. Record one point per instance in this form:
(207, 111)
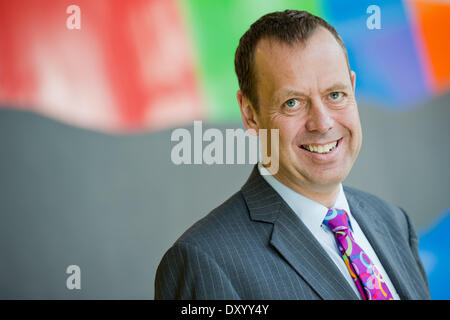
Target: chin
(326, 178)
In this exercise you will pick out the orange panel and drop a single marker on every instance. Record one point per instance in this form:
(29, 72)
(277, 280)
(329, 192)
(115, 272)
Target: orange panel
(432, 20)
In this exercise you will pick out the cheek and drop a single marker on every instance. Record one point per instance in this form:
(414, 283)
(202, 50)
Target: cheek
(286, 133)
(289, 130)
(351, 122)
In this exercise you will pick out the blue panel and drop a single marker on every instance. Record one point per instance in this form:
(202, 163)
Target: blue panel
(434, 247)
(386, 61)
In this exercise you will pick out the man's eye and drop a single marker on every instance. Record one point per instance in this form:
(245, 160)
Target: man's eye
(335, 95)
(292, 103)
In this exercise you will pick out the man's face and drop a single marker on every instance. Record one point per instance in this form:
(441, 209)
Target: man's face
(306, 92)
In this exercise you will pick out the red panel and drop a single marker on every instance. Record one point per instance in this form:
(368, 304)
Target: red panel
(128, 68)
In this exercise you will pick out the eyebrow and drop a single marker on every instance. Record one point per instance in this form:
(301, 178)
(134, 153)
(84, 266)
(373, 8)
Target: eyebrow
(290, 92)
(337, 86)
(286, 93)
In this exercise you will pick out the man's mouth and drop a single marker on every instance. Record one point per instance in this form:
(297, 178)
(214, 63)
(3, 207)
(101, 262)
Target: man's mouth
(321, 148)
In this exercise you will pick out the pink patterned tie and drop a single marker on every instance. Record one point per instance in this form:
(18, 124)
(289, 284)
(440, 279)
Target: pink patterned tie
(367, 278)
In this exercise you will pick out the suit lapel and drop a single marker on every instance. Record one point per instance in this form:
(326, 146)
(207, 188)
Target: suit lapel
(295, 243)
(304, 253)
(391, 256)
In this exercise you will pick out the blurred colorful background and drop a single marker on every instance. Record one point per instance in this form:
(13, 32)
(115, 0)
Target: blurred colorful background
(89, 97)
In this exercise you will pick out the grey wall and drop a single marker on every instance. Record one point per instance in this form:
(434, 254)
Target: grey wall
(114, 204)
(405, 158)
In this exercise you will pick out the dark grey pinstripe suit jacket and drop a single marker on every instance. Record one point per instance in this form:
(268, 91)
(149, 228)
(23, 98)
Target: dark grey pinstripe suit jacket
(254, 246)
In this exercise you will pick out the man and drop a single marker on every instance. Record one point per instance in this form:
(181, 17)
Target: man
(297, 234)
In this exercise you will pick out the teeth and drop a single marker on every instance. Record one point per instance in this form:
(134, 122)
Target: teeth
(321, 149)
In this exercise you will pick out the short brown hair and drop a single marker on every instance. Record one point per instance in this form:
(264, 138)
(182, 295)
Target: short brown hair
(289, 26)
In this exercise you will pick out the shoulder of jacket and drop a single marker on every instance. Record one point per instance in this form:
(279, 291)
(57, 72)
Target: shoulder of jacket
(389, 212)
(221, 218)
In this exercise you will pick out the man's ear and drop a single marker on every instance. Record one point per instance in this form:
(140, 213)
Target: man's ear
(353, 78)
(248, 113)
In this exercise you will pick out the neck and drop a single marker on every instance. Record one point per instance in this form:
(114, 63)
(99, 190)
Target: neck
(326, 198)
(323, 194)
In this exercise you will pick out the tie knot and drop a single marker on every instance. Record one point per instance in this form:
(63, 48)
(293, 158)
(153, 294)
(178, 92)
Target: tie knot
(336, 220)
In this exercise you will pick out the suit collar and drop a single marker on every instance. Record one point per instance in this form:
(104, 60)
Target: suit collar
(294, 242)
(262, 201)
(370, 221)
(310, 212)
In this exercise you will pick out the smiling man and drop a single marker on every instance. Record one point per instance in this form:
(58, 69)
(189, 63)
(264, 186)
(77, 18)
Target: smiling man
(306, 90)
(297, 234)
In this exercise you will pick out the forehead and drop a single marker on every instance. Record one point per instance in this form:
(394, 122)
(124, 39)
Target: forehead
(315, 63)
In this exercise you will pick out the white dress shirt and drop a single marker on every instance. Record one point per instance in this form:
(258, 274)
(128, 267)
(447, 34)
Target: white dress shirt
(312, 213)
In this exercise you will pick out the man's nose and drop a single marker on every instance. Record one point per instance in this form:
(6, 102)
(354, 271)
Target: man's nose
(319, 118)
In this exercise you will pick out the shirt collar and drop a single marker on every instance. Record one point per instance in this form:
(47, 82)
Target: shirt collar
(310, 212)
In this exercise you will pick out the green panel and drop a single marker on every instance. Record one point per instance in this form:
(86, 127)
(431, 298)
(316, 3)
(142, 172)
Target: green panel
(216, 28)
